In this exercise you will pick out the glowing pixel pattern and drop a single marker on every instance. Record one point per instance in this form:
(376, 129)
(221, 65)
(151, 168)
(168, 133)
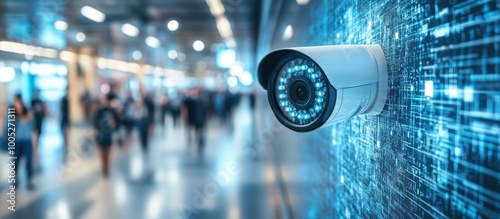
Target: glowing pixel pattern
(435, 150)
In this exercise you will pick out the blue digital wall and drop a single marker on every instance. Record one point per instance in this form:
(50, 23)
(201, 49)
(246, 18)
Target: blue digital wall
(434, 152)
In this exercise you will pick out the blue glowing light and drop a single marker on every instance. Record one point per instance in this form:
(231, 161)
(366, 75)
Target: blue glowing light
(299, 68)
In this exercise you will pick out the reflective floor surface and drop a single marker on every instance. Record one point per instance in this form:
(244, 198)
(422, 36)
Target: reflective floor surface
(171, 180)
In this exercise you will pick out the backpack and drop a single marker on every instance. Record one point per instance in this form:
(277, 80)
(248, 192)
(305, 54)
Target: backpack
(129, 112)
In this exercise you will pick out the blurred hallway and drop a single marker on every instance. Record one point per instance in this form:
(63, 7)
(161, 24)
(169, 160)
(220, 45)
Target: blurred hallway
(172, 181)
(133, 109)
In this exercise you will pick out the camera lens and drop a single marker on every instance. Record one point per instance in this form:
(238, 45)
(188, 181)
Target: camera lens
(301, 92)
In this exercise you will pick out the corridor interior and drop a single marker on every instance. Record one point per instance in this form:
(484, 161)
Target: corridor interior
(172, 180)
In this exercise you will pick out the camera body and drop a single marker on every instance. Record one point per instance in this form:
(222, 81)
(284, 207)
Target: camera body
(312, 87)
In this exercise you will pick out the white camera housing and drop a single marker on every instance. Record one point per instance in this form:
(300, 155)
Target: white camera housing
(312, 87)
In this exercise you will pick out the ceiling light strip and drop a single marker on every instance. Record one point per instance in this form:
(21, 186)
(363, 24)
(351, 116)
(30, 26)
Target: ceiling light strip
(103, 63)
(93, 14)
(223, 26)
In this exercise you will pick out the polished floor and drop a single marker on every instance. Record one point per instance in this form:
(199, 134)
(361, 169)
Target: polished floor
(229, 179)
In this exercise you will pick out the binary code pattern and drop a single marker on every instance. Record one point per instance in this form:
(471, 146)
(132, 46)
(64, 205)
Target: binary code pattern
(435, 150)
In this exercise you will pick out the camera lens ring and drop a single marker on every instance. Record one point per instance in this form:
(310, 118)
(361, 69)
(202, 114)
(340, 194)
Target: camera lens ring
(297, 112)
(276, 61)
(301, 92)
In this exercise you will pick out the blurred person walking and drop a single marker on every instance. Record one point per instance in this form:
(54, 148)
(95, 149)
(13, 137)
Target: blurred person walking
(117, 106)
(150, 107)
(194, 111)
(24, 137)
(128, 115)
(253, 99)
(65, 118)
(175, 108)
(39, 109)
(142, 120)
(165, 109)
(219, 107)
(105, 122)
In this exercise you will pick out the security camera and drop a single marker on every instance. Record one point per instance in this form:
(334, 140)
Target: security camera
(312, 87)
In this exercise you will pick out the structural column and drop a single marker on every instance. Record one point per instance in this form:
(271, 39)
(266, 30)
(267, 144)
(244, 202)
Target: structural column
(88, 67)
(74, 87)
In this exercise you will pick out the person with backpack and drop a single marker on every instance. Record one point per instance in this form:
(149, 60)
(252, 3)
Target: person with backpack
(39, 109)
(128, 115)
(105, 123)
